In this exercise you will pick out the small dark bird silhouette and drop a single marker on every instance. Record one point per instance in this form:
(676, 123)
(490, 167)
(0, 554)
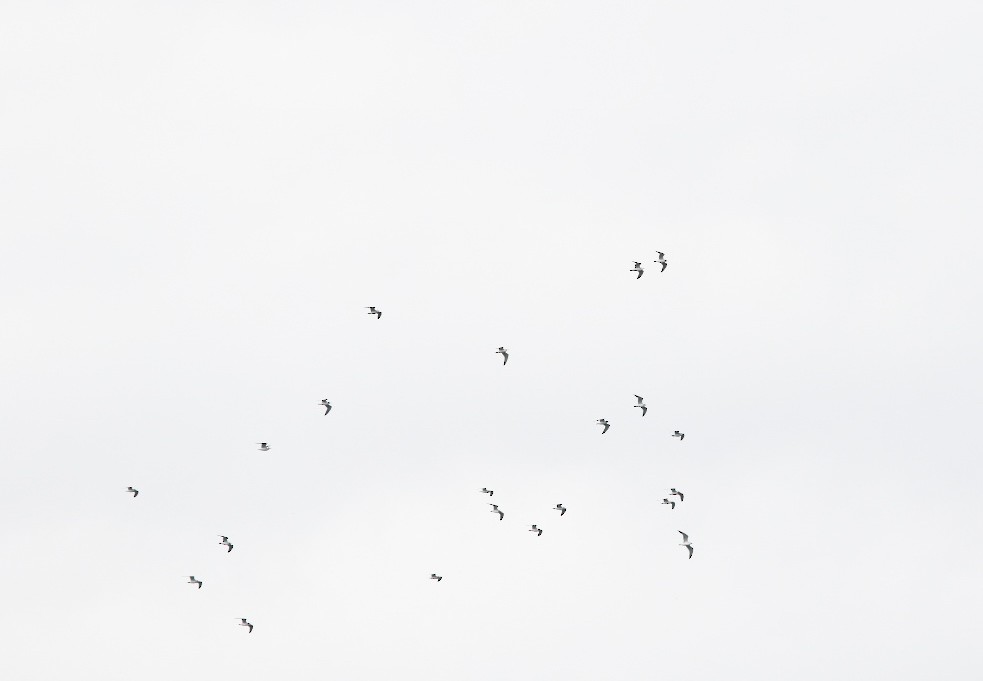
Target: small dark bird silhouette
(263, 447)
(501, 514)
(132, 491)
(662, 259)
(326, 405)
(673, 503)
(638, 268)
(377, 313)
(489, 492)
(678, 494)
(679, 435)
(561, 508)
(434, 575)
(505, 355)
(225, 542)
(192, 580)
(604, 423)
(244, 623)
(536, 530)
(641, 404)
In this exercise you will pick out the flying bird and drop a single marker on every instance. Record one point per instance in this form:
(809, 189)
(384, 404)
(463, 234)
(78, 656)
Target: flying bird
(673, 503)
(679, 435)
(244, 623)
(192, 580)
(662, 260)
(372, 310)
(604, 423)
(638, 268)
(225, 542)
(505, 355)
(536, 530)
(489, 492)
(132, 491)
(434, 575)
(678, 494)
(263, 447)
(561, 508)
(501, 514)
(689, 547)
(326, 405)
(641, 404)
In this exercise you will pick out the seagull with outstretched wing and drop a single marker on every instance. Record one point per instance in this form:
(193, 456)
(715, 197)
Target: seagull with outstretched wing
(678, 494)
(641, 404)
(604, 423)
(638, 268)
(244, 623)
(686, 542)
(662, 260)
(263, 447)
(505, 355)
(326, 405)
(372, 310)
(672, 503)
(489, 492)
(501, 514)
(537, 530)
(561, 508)
(225, 542)
(192, 580)
(679, 435)
(434, 575)
(132, 491)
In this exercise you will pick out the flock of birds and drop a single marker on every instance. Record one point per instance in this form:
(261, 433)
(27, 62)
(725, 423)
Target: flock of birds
(673, 492)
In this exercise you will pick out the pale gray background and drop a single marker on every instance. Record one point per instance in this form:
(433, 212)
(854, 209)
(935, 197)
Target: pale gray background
(198, 198)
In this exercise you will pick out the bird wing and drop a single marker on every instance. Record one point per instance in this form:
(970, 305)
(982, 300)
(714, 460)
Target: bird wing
(505, 359)
(250, 628)
(606, 426)
(230, 547)
(672, 505)
(681, 436)
(640, 271)
(639, 398)
(562, 511)
(199, 584)
(690, 548)
(664, 264)
(501, 515)
(685, 536)
(680, 494)
(644, 409)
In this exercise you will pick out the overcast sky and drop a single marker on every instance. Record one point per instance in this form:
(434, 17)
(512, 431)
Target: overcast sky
(198, 199)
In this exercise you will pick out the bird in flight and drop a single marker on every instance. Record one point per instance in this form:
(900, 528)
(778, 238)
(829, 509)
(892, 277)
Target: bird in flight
(501, 514)
(505, 355)
(662, 260)
(326, 405)
(561, 508)
(536, 530)
(225, 542)
(679, 435)
(641, 404)
(689, 547)
(377, 313)
(192, 580)
(489, 492)
(434, 575)
(678, 494)
(263, 447)
(604, 423)
(244, 623)
(132, 491)
(673, 503)
(638, 268)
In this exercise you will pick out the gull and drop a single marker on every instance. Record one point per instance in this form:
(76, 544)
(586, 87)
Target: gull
(536, 530)
(505, 355)
(561, 508)
(641, 404)
(489, 492)
(244, 623)
(263, 447)
(689, 547)
(434, 575)
(679, 435)
(662, 259)
(132, 491)
(678, 494)
(225, 542)
(326, 405)
(501, 514)
(377, 313)
(604, 423)
(638, 268)
(666, 501)
(192, 580)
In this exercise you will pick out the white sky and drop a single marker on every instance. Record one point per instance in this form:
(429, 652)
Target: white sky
(197, 199)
